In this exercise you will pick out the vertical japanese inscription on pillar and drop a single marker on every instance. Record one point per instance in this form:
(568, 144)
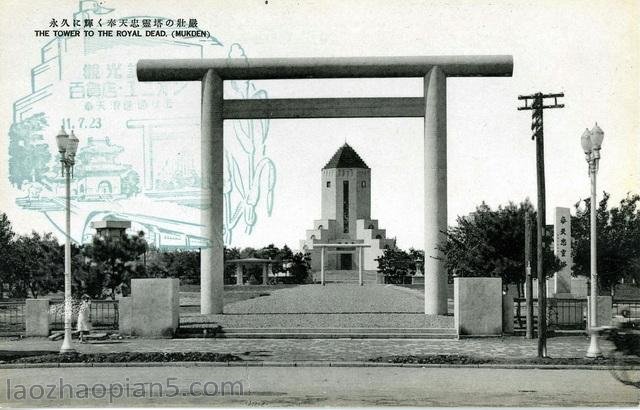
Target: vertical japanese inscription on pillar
(562, 248)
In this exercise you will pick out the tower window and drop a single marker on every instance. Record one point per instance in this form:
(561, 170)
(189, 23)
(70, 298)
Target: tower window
(328, 184)
(345, 206)
(363, 184)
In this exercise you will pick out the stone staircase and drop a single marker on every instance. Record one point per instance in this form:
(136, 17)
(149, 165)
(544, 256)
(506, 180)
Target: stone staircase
(198, 330)
(337, 333)
(346, 276)
(216, 331)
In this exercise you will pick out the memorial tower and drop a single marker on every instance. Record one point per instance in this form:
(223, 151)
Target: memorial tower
(346, 214)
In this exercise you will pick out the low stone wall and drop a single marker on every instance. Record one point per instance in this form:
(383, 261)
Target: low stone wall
(478, 306)
(155, 307)
(579, 287)
(125, 315)
(507, 314)
(604, 312)
(36, 317)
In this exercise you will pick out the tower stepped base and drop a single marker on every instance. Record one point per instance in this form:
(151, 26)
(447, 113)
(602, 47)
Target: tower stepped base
(346, 276)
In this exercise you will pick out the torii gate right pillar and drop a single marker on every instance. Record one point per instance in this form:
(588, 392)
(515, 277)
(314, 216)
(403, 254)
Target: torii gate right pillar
(435, 190)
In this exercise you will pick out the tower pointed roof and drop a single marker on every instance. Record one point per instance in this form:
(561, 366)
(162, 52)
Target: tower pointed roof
(346, 157)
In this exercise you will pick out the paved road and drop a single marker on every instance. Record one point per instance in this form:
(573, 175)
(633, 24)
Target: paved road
(324, 386)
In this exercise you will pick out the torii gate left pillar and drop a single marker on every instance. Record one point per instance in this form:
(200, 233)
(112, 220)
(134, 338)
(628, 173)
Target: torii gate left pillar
(212, 172)
(431, 107)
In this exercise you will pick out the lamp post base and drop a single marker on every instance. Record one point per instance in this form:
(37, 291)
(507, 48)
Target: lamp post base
(594, 351)
(67, 347)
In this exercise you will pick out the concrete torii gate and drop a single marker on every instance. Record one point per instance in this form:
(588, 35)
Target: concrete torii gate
(432, 106)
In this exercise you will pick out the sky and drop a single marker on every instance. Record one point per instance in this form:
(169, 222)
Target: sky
(588, 50)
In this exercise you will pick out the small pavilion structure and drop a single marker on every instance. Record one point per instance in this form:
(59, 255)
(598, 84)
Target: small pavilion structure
(241, 263)
(112, 228)
(341, 248)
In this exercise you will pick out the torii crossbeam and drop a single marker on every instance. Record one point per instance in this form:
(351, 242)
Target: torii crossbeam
(432, 106)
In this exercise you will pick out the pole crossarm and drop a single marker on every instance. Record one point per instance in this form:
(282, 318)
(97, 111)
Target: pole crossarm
(344, 67)
(323, 108)
(538, 101)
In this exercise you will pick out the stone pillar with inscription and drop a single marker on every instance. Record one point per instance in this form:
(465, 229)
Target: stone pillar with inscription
(562, 249)
(580, 287)
(551, 282)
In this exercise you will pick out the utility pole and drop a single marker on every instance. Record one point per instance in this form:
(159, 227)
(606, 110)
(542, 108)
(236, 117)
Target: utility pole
(538, 106)
(528, 278)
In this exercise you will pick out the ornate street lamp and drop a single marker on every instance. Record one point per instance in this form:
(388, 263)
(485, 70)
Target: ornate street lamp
(67, 146)
(591, 142)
